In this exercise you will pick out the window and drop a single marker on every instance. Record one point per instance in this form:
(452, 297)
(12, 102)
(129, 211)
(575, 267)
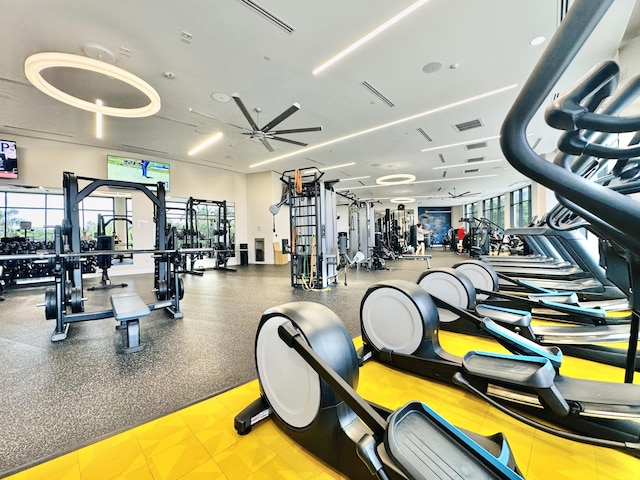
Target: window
(493, 210)
(471, 210)
(18, 208)
(45, 211)
(521, 207)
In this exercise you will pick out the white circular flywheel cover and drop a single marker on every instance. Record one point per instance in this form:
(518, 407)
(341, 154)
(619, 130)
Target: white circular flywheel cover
(291, 386)
(447, 288)
(479, 276)
(392, 321)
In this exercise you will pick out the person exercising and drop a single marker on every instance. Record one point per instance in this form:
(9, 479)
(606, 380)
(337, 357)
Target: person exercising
(420, 233)
(145, 165)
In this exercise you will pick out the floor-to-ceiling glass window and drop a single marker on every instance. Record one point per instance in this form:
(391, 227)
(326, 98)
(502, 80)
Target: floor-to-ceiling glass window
(521, 207)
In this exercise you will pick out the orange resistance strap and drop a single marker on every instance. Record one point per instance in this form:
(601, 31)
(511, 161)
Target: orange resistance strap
(298, 181)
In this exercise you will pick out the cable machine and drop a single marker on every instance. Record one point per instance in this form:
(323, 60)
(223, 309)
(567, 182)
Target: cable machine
(313, 224)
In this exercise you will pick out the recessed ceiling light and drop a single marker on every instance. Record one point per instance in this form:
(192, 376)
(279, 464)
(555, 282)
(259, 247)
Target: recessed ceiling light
(396, 179)
(537, 41)
(221, 97)
(36, 63)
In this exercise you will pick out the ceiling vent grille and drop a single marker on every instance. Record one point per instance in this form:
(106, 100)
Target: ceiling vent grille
(142, 149)
(470, 125)
(15, 82)
(475, 159)
(314, 161)
(536, 143)
(267, 15)
(176, 121)
(563, 8)
(441, 157)
(473, 146)
(424, 134)
(38, 131)
(472, 170)
(379, 95)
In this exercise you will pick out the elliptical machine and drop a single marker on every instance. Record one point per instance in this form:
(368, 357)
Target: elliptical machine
(308, 371)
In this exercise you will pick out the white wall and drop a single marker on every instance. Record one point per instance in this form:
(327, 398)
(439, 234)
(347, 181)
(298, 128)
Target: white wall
(263, 190)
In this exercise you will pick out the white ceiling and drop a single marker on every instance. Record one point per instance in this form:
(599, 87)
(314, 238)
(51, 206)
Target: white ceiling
(233, 49)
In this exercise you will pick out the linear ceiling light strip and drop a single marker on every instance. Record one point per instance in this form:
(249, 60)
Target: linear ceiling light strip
(374, 33)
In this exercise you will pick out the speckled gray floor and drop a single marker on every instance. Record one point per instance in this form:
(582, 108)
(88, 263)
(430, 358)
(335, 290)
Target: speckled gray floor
(55, 397)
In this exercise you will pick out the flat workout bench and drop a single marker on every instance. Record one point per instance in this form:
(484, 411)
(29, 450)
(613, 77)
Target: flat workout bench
(128, 308)
(417, 257)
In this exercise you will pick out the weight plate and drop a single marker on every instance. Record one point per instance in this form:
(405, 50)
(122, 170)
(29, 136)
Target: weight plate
(77, 305)
(162, 290)
(50, 304)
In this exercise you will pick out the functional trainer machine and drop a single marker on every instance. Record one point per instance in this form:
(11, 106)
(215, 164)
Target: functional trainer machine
(314, 229)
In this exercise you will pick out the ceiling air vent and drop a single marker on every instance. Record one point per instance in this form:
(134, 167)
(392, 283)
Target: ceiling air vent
(473, 146)
(476, 159)
(375, 92)
(424, 134)
(267, 15)
(38, 131)
(314, 161)
(441, 157)
(472, 170)
(15, 82)
(470, 125)
(132, 148)
(536, 143)
(563, 8)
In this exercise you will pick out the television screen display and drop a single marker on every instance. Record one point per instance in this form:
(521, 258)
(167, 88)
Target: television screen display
(8, 159)
(136, 170)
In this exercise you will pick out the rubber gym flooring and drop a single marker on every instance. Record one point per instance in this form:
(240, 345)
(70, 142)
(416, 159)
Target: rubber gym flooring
(79, 410)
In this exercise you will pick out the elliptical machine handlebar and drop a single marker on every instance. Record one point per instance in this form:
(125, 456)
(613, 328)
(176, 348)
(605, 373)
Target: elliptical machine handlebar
(621, 212)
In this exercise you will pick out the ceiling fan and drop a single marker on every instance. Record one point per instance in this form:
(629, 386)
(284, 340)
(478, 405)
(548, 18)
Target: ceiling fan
(264, 134)
(464, 194)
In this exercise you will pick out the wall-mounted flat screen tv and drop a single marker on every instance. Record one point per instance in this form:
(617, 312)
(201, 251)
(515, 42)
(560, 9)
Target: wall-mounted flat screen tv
(8, 159)
(137, 170)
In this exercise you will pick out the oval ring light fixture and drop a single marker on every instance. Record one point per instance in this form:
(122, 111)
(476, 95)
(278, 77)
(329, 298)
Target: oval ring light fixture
(402, 200)
(36, 63)
(396, 179)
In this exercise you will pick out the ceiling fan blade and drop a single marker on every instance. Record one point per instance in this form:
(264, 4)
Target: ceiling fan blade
(206, 115)
(282, 139)
(284, 115)
(267, 144)
(296, 130)
(244, 110)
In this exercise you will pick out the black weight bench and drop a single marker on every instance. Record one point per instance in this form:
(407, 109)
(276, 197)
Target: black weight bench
(128, 308)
